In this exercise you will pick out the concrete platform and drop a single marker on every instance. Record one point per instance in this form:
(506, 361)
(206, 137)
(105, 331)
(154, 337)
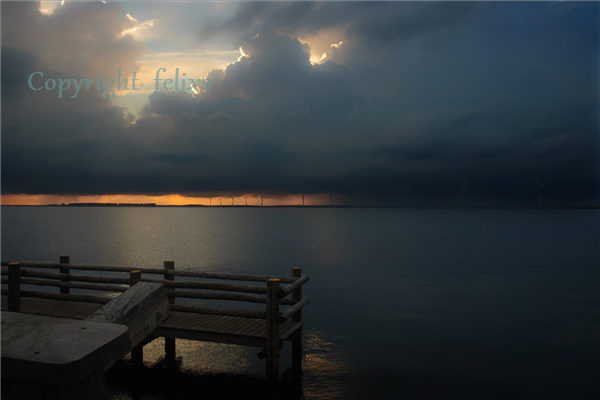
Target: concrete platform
(58, 351)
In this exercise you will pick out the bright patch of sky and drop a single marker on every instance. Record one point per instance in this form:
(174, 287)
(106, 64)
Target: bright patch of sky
(171, 36)
(170, 33)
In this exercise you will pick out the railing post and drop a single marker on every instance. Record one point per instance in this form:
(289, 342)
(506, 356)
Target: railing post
(137, 353)
(64, 260)
(14, 286)
(135, 277)
(272, 329)
(297, 340)
(170, 342)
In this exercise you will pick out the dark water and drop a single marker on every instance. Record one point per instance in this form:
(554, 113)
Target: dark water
(405, 303)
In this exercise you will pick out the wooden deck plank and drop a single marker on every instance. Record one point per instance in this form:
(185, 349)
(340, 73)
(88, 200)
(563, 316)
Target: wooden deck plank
(200, 323)
(185, 318)
(54, 307)
(182, 320)
(212, 323)
(218, 325)
(197, 320)
(257, 329)
(285, 327)
(221, 325)
(177, 319)
(238, 326)
(289, 330)
(242, 328)
(75, 310)
(173, 319)
(39, 306)
(228, 326)
(203, 321)
(233, 328)
(188, 321)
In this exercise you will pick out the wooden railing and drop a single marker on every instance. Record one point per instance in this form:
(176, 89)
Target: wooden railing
(28, 273)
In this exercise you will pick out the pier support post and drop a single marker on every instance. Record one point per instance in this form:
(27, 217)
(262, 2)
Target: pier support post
(14, 286)
(272, 329)
(65, 270)
(137, 353)
(297, 340)
(170, 342)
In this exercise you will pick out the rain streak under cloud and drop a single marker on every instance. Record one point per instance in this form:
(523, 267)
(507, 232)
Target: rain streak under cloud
(373, 102)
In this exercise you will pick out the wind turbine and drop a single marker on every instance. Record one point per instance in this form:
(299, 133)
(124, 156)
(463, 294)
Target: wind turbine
(231, 201)
(368, 200)
(261, 200)
(246, 201)
(210, 201)
(407, 195)
(463, 193)
(539, 191)
(220, 202)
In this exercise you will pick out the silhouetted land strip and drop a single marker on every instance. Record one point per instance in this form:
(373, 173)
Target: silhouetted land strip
(107, 204)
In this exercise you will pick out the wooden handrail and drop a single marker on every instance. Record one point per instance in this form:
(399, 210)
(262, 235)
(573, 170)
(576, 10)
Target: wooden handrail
(74, 285)
(235, 277)
(217, 296)
(82, 267)
(61, 296)
(290, 288)
(99, 281)
(79, 278)
(292, 310)
(158, 271)
(212, 286)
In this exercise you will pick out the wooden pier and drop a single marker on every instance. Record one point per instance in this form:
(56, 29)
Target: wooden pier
(266, 329)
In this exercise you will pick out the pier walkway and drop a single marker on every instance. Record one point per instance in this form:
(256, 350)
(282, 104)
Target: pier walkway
(179, 325)
(266, 329)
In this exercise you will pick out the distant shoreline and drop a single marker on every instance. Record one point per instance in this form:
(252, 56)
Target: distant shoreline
(300, 206)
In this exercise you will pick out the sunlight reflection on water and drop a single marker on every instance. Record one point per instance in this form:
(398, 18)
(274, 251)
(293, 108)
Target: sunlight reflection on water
(323, 365)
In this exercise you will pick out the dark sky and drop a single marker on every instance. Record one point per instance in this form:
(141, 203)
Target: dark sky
(423, 95)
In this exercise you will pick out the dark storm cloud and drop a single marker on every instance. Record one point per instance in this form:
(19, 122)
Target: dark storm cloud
(424, 95)
(374, 23)
(52, 145)
(14, 71)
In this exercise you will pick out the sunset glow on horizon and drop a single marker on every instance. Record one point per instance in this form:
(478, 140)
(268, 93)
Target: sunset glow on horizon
(165, 200)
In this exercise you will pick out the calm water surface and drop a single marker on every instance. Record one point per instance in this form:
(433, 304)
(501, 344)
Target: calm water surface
(405, 303)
